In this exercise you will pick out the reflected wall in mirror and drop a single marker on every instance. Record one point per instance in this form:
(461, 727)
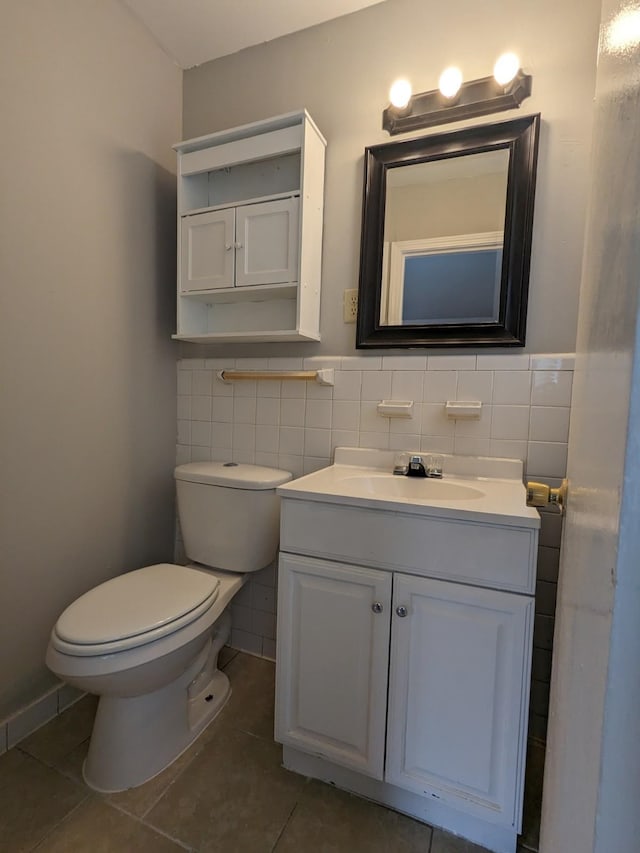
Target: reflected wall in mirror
(446, 238)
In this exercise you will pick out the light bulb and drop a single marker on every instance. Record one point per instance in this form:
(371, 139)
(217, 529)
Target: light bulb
(450, 81)
(400, 93)
(506, 68)
(623, 33)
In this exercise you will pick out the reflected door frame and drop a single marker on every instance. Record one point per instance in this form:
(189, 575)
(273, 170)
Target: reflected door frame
(393, 264)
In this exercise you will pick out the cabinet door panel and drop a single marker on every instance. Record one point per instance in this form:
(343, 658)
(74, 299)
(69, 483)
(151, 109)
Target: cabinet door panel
(458, 695)
(267, 235)
(207, 256)
(331, 673)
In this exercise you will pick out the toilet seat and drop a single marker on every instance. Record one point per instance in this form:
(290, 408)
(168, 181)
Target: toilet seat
(135, 609)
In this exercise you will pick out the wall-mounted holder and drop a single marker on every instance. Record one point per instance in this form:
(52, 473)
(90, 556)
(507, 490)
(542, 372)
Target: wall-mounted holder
(463, 409)
(474, 98)
(395, 408)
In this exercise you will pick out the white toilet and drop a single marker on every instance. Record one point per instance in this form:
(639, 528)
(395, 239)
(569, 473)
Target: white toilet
(147, 642)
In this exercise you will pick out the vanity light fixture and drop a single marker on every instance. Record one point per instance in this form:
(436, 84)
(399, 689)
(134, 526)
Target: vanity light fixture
(506, 89)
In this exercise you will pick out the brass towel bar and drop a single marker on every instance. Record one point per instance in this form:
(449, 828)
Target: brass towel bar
(323, 376)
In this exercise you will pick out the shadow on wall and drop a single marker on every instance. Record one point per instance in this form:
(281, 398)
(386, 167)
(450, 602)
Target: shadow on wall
(149, 220)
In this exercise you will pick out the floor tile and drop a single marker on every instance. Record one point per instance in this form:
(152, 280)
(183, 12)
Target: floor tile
(34, 799)
(226, 793)
(226, 655)
(250, 708)
(62, 735)
(327, 820)
(234, 796)
(98, 827)
(444, 842)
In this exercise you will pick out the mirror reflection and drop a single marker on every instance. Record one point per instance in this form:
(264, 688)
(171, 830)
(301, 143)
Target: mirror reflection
(443, 239)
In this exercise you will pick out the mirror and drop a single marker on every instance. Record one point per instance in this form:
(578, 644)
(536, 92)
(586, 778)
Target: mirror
(446, 238)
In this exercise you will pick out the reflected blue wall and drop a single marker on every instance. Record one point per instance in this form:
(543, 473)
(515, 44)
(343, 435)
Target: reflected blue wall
(451, 287)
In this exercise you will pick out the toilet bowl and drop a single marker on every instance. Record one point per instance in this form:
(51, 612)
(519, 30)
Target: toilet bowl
(147, 642)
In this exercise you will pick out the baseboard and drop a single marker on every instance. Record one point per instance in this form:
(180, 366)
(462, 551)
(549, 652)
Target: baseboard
(27, 720)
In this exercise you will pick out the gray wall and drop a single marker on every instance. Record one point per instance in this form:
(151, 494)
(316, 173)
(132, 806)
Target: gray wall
(341, 72)
(90, 107)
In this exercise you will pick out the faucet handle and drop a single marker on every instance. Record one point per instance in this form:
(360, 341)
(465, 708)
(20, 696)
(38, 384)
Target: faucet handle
(434, 465)
(401, 463)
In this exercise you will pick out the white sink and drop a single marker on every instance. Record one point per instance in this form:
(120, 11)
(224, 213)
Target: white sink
(410, 488)
(473, 488)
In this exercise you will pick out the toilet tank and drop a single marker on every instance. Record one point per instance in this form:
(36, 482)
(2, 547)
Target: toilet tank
(229, 513)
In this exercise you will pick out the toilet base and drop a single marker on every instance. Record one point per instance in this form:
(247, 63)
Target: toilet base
(136, 738)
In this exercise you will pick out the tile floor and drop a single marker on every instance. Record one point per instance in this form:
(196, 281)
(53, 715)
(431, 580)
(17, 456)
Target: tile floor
(227, 793)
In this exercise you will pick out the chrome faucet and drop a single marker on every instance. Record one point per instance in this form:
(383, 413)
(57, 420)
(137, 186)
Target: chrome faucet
(418, 467)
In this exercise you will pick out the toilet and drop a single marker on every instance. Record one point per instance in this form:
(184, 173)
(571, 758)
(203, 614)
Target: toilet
(147, 642)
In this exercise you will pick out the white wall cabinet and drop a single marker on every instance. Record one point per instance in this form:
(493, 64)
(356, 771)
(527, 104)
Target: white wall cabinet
(250, 205)
(418, 683)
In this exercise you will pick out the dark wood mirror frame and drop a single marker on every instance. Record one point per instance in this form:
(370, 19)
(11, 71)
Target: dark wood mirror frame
(520, 138)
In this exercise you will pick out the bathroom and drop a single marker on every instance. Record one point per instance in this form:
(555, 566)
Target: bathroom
(90, 373)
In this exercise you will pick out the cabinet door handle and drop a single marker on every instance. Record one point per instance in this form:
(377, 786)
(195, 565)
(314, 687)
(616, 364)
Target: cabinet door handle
(228, 246)
(238, 245)
(377, 607)
(401, 610)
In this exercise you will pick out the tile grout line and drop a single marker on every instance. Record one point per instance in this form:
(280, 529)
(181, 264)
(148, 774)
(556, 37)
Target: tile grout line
(166, 790)
(150, 826)
(282, 831)
(61, 821)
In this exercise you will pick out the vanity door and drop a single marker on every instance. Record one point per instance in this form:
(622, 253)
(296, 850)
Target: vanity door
(458, 695)
(332, 662)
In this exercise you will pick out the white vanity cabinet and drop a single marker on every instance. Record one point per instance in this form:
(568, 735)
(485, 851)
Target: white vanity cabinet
(250, 205)
(404, 655)
(453, 711)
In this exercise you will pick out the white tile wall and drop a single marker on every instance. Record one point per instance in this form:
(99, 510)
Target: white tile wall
(296, 425)
(525, 411)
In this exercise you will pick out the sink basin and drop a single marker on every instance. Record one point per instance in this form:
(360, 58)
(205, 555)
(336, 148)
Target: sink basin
(410, 488)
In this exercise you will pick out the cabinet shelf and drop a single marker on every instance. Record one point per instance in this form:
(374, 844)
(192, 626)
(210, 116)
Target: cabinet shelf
(256, 200)
(279, 335)
(251, 293)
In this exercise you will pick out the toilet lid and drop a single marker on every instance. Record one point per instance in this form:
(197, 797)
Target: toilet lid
(135, 608)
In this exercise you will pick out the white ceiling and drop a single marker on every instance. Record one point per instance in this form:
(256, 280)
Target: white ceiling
(195, 31)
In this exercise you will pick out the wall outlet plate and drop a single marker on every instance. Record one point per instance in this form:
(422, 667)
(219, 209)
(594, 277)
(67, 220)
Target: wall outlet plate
(350, 305)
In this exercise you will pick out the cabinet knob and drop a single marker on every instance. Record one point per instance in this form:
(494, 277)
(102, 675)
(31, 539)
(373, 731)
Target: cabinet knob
(377, 607)
(228, 246)
(401, 610)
